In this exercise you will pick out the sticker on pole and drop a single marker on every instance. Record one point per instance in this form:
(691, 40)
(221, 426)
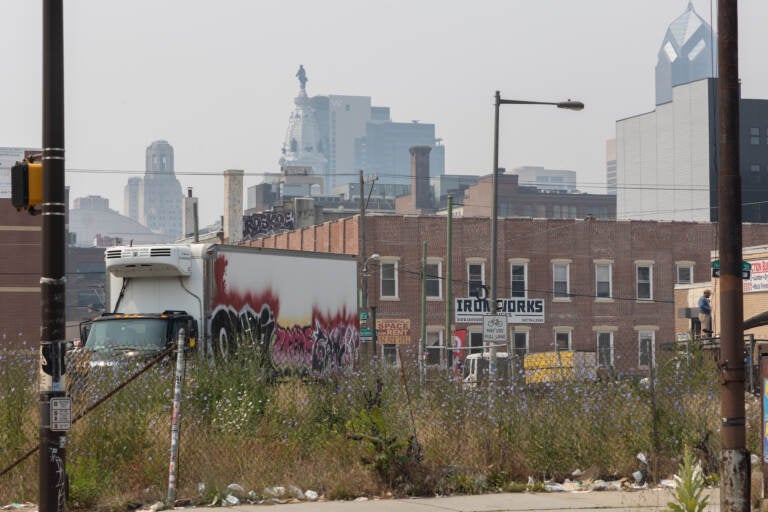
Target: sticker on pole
(61, 413)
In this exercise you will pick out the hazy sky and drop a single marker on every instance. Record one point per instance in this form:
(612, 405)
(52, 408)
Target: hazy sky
(217, 79)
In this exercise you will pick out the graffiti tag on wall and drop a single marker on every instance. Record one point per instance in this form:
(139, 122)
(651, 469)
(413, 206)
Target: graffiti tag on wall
(267, 223)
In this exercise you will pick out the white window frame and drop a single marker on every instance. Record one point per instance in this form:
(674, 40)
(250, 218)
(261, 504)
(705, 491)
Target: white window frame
(438, 278)
(642, 335)
(383, 263)
(471, 262)
(431, 330)
(681, 265)
(518, 263)
(518, 331)
(638, 266)
(609, 264)
(611, 348)
(563, 330)
(390, 354)
(567, 265)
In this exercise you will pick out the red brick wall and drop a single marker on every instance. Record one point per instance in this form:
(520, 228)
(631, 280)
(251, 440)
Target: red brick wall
(541, 241)
(20, 269)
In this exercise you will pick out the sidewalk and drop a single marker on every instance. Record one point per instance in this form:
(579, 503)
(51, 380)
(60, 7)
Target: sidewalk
(602, 501)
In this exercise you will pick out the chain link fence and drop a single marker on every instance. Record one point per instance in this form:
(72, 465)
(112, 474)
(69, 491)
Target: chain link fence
(369, 430)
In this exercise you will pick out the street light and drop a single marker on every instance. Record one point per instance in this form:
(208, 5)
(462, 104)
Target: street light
(568, 105)
(364, 275)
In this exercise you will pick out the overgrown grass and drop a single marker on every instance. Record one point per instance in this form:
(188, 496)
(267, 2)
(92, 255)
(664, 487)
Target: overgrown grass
(357, 433)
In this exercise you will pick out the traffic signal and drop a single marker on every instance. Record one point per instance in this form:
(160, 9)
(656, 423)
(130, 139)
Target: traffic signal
(27, 186)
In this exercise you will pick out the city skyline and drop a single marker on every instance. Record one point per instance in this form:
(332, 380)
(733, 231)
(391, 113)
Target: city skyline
(200, 78)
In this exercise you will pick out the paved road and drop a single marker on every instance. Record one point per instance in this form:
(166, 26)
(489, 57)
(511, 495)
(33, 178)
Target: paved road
(604, 501)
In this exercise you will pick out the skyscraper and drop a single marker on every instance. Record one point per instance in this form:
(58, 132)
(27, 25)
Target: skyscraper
(350, 134)
(688, 53)
(156, 200)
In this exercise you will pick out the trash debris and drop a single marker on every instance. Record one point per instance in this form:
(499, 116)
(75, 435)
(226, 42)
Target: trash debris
(296, 492)
(577, 473)
(554, 487)
(668, 484)
(157, 506)
(232, 499)
(311, 495)
(236, 489)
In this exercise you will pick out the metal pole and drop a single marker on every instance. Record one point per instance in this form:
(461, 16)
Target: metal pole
(362, 255)
(735, 490)
(375, 336)
(448, 282)
(423, 341)
(176, 418)
(52, 383)
(763, 358)
(494, 227)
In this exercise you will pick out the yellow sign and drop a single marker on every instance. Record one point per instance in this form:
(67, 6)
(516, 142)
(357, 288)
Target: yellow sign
(393, 331)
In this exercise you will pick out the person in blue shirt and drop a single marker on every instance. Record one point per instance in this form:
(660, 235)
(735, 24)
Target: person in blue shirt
(705, 313)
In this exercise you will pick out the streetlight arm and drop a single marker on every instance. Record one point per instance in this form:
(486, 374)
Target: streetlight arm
(568, 105)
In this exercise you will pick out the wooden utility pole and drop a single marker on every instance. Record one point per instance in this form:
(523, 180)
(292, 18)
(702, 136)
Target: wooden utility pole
(735, 487)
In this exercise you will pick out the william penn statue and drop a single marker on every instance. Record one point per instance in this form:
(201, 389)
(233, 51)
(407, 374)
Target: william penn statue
(302, 76)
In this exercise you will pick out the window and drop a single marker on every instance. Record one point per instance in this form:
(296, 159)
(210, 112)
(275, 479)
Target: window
(644, 281)
(475, 277)
(645, 348)
(433, 280)
(388, 279)
(603, 280)
(562, 339)
(754, 168)
(518, 273)
(604, 349)
(560, 280)
(389, 352)
(684, 273)
(519, 343)
(434, 347)
(476, 342)
(754, 136)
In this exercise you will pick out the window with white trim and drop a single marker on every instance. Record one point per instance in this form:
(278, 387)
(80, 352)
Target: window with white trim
(605, 349)
(434, 346)
(434, 279)
(644, 281)
(560, 283)
(684, 272)
(603, 275)
(519, 340)
(562, 339)
(475, 277)
(389, 352)
(645, 348)
(518, 272)
(388, 283)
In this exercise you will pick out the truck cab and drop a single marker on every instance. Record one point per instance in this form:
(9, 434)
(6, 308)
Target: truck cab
(136, 334)
(476, 368)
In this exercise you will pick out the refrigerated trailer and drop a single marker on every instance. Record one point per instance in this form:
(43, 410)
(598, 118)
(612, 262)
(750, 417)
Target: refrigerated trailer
(297, 309)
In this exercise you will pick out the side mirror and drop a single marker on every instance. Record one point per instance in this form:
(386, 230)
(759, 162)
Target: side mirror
(85, 328)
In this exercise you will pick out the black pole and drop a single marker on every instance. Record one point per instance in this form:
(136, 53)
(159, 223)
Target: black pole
(735, 466)
(55, 412)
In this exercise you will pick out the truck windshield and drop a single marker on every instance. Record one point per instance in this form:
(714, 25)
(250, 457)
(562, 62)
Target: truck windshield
(141, 334)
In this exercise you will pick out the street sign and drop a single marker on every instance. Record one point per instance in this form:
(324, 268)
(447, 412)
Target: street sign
(494, 328)
(366, 331)
(61, 413)
(746, 269)
(363, 315)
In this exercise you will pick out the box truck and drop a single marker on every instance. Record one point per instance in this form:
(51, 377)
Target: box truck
(298, 310)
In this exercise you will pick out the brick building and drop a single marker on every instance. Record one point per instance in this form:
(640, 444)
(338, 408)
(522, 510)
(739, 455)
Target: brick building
(605, 286)
(21, 262)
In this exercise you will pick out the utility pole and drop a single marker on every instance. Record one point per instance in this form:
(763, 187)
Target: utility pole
(448, 282)
(54, 406)
(423, 340)
(362, 255)
(735, 459)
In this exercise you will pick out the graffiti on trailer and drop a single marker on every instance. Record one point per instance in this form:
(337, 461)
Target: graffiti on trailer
(266, 223)
(325, 346)
(328, 343)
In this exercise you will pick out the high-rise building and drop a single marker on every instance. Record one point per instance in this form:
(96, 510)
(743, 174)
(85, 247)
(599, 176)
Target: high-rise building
(666, 159)
(156, 200)
(688, 53)
(343, 134)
